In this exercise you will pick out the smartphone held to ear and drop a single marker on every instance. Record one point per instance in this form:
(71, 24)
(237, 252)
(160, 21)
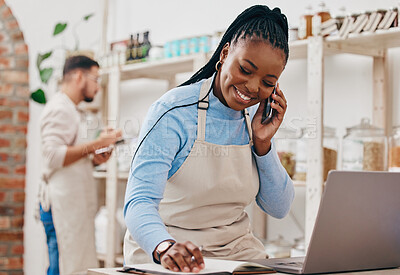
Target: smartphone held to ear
(268, 112)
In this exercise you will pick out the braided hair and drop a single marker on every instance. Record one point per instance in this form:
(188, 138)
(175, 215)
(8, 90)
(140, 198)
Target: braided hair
(257, 21)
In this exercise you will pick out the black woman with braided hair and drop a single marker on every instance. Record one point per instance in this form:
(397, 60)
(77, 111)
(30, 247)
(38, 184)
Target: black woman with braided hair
(204, 154)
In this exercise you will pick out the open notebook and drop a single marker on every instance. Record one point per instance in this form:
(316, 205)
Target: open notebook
(213, 266)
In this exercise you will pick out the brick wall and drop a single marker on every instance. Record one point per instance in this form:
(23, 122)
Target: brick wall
(14, 116)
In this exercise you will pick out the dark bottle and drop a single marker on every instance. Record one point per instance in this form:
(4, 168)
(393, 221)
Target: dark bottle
(129, 50)
(138, 47)
(146, 44)
(135, 47)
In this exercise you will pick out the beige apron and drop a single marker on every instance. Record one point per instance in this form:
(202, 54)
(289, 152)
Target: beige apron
(204, 201)
(73, 200)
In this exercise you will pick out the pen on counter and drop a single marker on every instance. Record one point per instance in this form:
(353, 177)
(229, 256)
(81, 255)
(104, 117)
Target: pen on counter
(192, 259)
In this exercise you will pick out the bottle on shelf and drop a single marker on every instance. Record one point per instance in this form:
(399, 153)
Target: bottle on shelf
(394, 151)
(135, 47)
(320, 17)
(138, 47)
(146, 45)
(305, 25)
(129, 50)
(364, 148)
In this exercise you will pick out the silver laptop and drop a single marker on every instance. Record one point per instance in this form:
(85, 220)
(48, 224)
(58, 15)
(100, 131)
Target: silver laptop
(357, 226)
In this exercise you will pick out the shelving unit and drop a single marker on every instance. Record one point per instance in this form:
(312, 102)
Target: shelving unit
(374, 45)
(370, 44)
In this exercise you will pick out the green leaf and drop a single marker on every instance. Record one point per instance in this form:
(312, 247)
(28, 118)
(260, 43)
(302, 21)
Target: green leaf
(86, 18)
(45, 74)
(38, 96)
(41, 58)
(59, 28)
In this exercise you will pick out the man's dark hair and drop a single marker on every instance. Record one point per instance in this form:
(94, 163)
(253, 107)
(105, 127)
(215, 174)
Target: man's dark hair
(258, 21)
(78, 62)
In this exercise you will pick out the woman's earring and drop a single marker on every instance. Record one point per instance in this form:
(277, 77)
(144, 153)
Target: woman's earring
(218, 65)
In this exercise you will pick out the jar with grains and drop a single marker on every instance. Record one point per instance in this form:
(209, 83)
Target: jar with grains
(364, 148)
(394, 150)
(330, 149)
(285, 143)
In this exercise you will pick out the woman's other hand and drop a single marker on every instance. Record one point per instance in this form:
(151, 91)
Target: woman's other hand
(185, 257)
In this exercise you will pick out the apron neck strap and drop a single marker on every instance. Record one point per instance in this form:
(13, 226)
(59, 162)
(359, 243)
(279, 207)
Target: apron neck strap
(248, 124)
(202, 107)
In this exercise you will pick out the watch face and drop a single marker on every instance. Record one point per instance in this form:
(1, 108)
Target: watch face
(163, 246)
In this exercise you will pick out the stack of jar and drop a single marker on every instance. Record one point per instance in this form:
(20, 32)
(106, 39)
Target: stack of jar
(330, 149)
(364, 148)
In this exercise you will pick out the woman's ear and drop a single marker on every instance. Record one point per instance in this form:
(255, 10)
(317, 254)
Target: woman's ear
(224, 52)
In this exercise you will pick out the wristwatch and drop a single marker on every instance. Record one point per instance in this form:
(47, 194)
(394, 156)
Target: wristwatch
(162, 248)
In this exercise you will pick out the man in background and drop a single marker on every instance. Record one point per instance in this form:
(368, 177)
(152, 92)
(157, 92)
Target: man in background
(68, 196)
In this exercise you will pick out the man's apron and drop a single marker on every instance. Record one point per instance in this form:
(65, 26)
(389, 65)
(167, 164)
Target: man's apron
(73, 200)
(204, 201)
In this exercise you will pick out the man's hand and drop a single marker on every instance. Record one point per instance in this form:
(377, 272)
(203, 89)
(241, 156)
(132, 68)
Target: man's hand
(108, 137)
(101, 158)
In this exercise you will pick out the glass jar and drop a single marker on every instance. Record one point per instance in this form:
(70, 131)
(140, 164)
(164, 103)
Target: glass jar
(330, 143)
(305, 25)
(364, 148)
(394, 151)
(320, 17)
(330, 149)
(285, 143)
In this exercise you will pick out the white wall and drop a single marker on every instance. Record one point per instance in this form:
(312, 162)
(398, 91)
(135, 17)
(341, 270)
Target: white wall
(348, 82)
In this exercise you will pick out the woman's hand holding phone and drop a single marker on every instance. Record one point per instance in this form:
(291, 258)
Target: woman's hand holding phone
(263, 132)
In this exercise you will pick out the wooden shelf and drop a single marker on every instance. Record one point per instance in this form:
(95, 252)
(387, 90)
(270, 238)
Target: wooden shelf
(298, 183)
(158, 69)
(298, 49)
(368, 44)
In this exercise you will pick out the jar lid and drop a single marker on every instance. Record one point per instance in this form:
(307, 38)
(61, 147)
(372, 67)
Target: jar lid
(396, 130)
(328, 132)
(365, 128)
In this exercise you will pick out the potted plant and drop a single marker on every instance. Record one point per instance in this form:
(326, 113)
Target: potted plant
(46, 72)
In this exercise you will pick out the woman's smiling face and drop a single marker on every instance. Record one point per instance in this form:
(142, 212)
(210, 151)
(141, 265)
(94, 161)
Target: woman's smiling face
(249, 73)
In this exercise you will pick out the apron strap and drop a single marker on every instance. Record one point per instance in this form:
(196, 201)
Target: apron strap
(202, 107)
(248, 124)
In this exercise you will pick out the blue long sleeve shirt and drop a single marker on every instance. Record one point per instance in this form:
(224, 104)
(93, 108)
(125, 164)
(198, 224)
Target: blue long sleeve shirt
(167, 146)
